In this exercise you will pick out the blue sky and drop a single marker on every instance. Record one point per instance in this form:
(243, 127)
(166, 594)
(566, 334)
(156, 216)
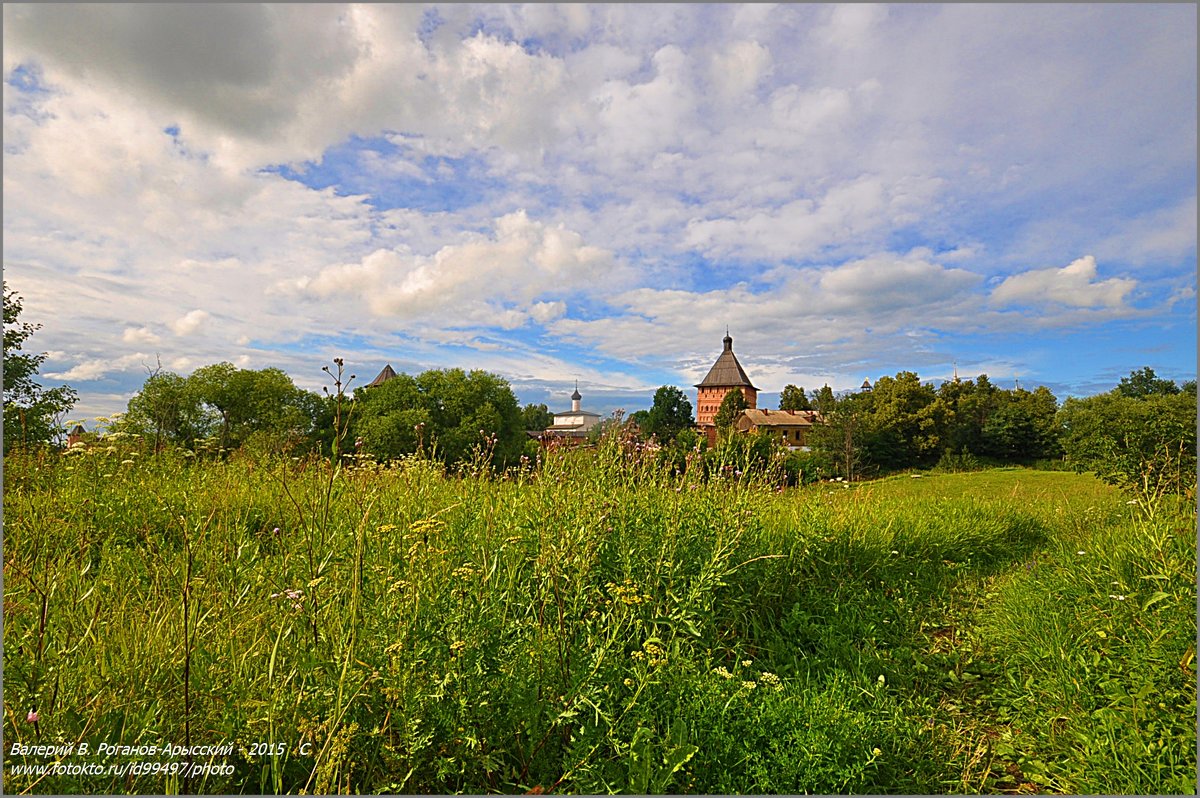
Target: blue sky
(596, 192)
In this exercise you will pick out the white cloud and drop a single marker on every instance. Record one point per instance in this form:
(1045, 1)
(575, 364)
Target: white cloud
(788, 146)
(94, 369)
(139, 335)
(737, 69)
(484, 279)
(1075, 285)
(190, 322)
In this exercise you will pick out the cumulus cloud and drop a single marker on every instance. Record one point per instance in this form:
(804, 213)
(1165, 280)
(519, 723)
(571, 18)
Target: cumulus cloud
(1075, 285)
(636, 177)
(491, 279)
(190, 322)
(96, 368)
(139, 335)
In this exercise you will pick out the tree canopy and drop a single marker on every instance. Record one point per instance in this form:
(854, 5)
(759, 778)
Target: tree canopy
(1141, 436)
(32, 413)
(224, 402)
(670, 414)
(536, 418)
(731, 408)
(793, 398)
(446, 412)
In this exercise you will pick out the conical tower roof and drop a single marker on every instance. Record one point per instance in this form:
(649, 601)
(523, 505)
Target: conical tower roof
(727, 372)
(388, 373)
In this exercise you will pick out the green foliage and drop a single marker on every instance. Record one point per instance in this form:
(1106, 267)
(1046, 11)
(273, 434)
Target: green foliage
(670, 414)
(32, 414)
(903, 423)
(793, 398)
(839, 438)
(1144, 445)
(824, 399)
(730, 410)
(595, 627)
(536, 418)
(448, 412)
(225, 403)
(1144, 383)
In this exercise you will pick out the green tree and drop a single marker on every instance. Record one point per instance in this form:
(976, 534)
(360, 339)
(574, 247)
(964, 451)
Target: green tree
(536, 417)
(641, 418)
(670, 414)
(899, 422)
(793, 398)
(32, 414)
(1144, 445)
(839, 439)
(1023, 426)
(1144, 382)
(166, 410)
(730, 410)
(446, 411)
(824, 400)
(249, 402)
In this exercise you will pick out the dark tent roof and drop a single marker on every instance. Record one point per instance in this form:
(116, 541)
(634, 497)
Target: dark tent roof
(388, 373)
(727, 371)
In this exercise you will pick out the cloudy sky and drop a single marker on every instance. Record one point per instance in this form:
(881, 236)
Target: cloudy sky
(555, 193)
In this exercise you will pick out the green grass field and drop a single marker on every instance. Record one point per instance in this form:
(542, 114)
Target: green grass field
(592, 627)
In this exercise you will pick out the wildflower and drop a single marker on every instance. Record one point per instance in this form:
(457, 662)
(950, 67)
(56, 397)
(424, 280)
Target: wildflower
(629, 682)
(882, 679)
(32, 717)
(749, 685)
(772, 680)
(1118, 597)
(746, 663)
(457, 645)
(294, 596)
(275, 531)
(723, 672)
(876, 751)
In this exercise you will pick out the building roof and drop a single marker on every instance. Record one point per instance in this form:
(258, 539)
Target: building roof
(388, 373)
(727, 372)
(577, 413)
(782, 418)
(575, 397)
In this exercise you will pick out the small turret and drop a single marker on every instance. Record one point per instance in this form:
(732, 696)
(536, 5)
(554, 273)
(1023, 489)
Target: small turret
(575, 399)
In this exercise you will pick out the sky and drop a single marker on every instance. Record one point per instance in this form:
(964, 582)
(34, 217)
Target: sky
(596, 193)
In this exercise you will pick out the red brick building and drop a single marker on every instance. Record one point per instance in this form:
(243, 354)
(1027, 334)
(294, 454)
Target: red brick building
(725, 375)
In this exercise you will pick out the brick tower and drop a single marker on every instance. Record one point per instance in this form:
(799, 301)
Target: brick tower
(725, 375)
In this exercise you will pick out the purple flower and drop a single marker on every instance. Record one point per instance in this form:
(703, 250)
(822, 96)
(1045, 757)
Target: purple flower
(32, 717)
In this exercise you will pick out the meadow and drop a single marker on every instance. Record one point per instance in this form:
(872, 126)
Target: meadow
(589, 624)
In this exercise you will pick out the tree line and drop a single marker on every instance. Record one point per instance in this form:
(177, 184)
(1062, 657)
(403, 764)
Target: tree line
(1140, 435)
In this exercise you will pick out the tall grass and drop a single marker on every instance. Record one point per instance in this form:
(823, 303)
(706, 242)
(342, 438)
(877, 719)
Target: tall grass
(595, 626)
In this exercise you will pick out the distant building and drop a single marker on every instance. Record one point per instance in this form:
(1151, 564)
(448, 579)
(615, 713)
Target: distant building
(574, 423)
(388, 373)
(725, 375)
(866, 386)
(75, 435)
(790, 427)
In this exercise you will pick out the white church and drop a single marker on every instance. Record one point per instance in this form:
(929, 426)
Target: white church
(573, 423)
